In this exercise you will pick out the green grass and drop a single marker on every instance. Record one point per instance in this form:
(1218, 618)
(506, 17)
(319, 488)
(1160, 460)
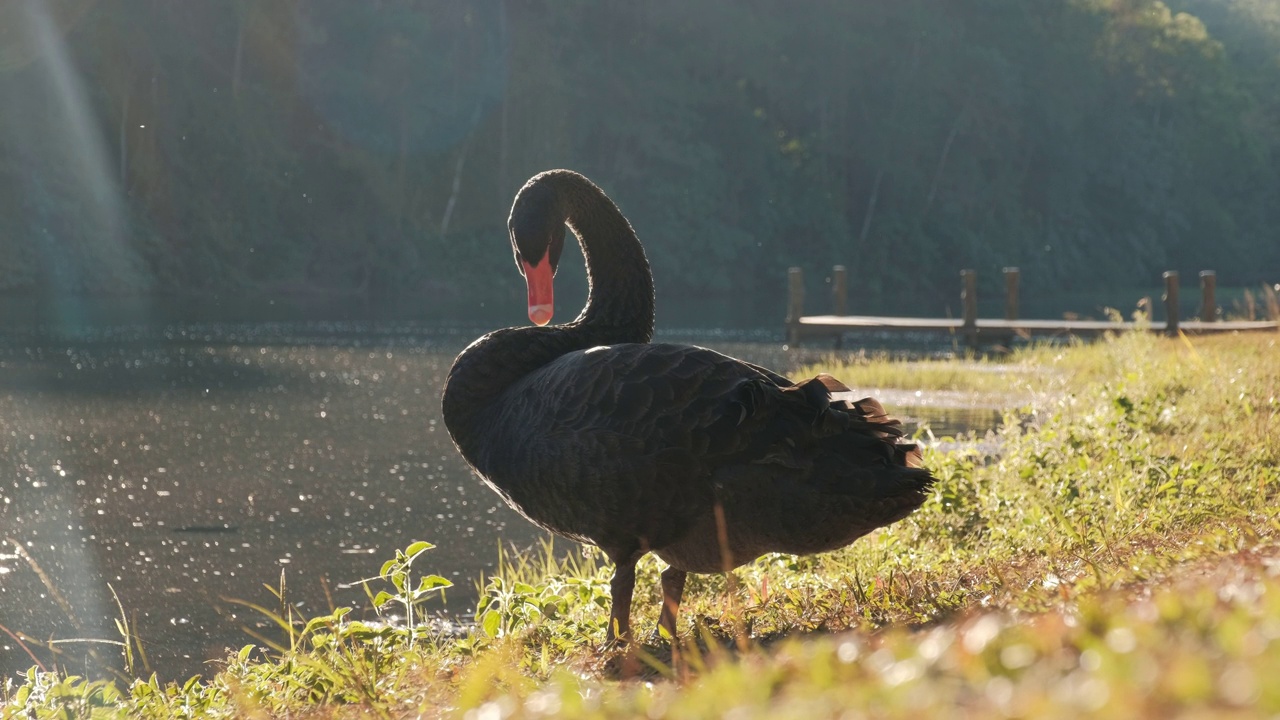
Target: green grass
(1117, 558)
(975, 376)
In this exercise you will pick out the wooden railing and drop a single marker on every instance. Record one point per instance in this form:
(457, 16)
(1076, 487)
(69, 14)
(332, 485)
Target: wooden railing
(975, 330)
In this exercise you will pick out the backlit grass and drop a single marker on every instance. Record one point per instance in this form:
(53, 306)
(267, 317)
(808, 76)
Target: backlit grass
(1019, 373)
(1115, 558)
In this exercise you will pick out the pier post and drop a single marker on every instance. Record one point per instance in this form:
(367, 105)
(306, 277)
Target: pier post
(1011, 293)
(1208, 301)
(1171, 302)
(795, 304)
(969, 301)
(839, 290)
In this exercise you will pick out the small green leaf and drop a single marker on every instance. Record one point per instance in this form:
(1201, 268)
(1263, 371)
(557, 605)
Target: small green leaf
(382, 598)
(315, 623)
(417, 547)
(491, 623)
(386, 568)
(243, 655)
(432, 582)
(143, 690)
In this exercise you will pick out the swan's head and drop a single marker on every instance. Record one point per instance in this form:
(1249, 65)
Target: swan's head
(537, 238)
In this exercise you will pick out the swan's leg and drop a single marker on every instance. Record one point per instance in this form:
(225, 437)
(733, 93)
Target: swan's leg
(621, 588)
(672, 591)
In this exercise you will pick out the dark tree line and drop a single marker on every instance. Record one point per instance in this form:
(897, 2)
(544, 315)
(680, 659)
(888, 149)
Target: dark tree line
(369, 151)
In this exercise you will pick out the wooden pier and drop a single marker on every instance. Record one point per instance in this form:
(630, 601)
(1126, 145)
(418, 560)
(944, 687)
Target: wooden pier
(974, 330)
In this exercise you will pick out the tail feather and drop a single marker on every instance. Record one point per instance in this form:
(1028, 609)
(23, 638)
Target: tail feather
(821, 414)
(836, 411)
(831, 460)
(831, 384)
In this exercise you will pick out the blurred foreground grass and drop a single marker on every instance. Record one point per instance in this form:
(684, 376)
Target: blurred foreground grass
(1117, 557)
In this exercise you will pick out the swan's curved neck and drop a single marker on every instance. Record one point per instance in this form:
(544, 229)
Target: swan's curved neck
(619, 309)
(620, 304)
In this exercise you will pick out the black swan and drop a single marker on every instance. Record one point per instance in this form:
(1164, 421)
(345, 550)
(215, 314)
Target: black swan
(591, 432)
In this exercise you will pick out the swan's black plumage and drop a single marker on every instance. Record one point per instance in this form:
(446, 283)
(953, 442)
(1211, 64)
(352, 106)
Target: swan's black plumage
(592, 432)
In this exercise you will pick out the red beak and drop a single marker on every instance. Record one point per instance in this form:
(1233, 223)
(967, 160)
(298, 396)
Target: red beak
(541, 293)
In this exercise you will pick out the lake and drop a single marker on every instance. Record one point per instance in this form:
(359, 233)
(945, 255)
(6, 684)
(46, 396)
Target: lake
(177, 469)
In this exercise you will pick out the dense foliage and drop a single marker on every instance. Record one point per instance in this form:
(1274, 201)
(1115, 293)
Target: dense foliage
(369, 151)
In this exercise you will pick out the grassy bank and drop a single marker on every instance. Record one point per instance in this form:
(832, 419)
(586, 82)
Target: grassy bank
(1117, 558)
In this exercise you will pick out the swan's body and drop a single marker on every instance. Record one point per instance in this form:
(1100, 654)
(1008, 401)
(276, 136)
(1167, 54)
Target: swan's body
(708, 461)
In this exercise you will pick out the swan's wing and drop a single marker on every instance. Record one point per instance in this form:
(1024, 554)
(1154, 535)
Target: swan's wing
(708, 407)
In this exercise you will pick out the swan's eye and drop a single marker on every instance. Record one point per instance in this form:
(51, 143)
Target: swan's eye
(555, 247)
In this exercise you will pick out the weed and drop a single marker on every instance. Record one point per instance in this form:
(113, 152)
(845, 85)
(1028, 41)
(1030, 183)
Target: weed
(399, 572)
